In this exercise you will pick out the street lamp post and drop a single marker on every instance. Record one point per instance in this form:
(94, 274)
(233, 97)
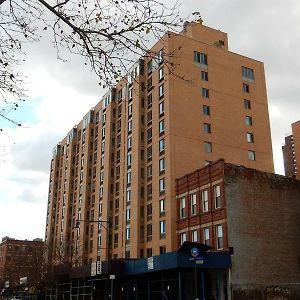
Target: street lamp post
(107, 228)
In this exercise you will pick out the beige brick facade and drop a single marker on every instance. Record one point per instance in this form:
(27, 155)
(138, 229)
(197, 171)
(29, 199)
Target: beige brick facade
(121, 161)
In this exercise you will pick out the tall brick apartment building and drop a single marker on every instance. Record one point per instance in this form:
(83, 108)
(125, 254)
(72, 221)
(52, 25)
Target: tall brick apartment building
(20, 258)
(255, 215)
(291, 152)
(119, 163)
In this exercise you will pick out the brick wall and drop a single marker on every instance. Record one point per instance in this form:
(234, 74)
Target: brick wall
(263, 216)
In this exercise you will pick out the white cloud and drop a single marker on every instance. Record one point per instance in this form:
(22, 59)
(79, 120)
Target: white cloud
(264, 30)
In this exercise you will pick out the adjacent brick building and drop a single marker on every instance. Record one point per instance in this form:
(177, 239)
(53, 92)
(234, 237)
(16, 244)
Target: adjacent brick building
(18, 259)
(253, 214)
(291, 152)
(119, 163)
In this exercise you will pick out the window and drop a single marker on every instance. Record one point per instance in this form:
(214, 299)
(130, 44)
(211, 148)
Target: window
(204, 197)
(129, 125)
(200, 58)
(248, 121)
(149, 135)
(247, 73)
(182, 237)
(246, 88)
(160, 56)
(250, 137)
(116, 238)
(149, 190)
(161, 74)
(162, 227)
(149, 232)
(217, 196)
(149, 210)
(247, 104)
(219, 236)
(193, 198)
(161, 91)
(161, 165)
(130, 110)
(149, 171)
(204, 76)
(162, 249)
(206, 240)
(128, 195)
(150, 66)
(149, 252)
(208, 147)
(129, 142)
(129, 159)
(206, 127)
(161, 185)
(149, 100)
(161, 206)
(182, 211)
(161, 145)
(149, 153)
(161, 108)
(205, 93)
(206, 110)
(128, 214)
(149, 116)
(251, 155)
(194, 235)
(161, 126)
(130, 94)
(128, 177)
(127, 233)
(149, 83)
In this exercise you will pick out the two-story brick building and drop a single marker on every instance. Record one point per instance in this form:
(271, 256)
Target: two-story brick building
(255, 215)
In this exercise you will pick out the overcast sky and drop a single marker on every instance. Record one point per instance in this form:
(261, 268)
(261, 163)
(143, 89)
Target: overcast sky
(61, 93)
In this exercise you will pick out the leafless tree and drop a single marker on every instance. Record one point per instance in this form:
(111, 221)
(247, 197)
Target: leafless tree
(109, 34)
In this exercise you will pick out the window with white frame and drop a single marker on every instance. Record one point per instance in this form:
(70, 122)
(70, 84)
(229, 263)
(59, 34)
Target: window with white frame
(161, 145)
(130, 110)
(182, 237)
(248, 120)
(251, 155)
(206, 239)
(250, 137)
(127, 233)
(161, 206)
(128, 195)
(205, 93)
(129, 142)
(204, 197)
(200, 58)
(128, 214)
(149, 171)
(194, 235)
(161, 126)
(129, 125)
(161, 91)
(162, 227)
(219, 236)
(129, 159)
(161, 108)
(161, 164)
(208, 147)
(193, 198)
(182, 208)
(128, 176)
(162, 185)
(247, 73)
(217, 196)
(161, 73)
